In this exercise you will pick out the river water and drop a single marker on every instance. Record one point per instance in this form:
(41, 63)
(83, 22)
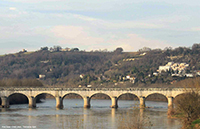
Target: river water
(99, 116)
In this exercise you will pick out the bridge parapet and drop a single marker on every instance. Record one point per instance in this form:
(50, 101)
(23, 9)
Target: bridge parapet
(94, 89)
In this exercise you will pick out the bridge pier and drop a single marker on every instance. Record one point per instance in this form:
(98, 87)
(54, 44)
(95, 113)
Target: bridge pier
(142, 102)
(114, 102)
(170, 102)
(5, 102)
(59, 102)
(86, 100)
(32, 102)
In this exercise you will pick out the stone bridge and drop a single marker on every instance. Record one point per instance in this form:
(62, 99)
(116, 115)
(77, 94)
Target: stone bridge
(88, 93)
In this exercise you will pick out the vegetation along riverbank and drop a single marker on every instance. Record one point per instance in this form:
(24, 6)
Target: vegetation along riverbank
(187, 105)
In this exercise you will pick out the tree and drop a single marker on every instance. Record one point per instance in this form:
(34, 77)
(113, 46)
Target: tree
(189, 106)
(189, 103)
(56, 48)
(195, 46)
(167, 48)
(74, 50)
(144, 49)
(118, 50)
(44, 48)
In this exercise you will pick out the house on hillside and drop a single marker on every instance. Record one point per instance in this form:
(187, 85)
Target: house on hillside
(143, 54)
(155, 74)
(41, 76)
(189, 75)
(24, 50)
(81, 76)
(198, 73)
(164, 68)
(132, 79)
(128, 77)
(66, 49)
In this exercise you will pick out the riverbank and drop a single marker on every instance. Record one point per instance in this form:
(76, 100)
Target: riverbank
(195, 124)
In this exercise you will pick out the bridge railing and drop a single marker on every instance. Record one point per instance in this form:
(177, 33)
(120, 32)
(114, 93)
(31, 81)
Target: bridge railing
(93, 89)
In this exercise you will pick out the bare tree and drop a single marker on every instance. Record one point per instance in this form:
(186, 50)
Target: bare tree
(187, 106)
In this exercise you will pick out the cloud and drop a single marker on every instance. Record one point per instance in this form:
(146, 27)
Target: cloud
(12, 8)
(133, 42)
(85, 18)
(75, 35)
(195, 29)
(180, 2)
(134, 24)
(81, 37)
(34, 1)
(119, 24)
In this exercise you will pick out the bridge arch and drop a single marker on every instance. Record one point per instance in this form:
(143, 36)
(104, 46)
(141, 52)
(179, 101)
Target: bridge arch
(98, 93)
(98, 97)
(73, 99)
(44, 95)
(18, 92)
(18, 98)
(43, 92)
(156, 97)
(179, 96)
(72, 94)
(168, 100)
(128, 96)
(155, 92)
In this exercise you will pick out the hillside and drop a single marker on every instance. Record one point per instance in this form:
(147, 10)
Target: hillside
(99, 69)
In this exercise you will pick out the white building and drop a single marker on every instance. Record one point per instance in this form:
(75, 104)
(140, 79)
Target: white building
(128, 77)
(155, 74)
(132, 80)
(41, 76)
(176, 67)
(164, 68)
(81, 76)
(189, 75)
(169, 63)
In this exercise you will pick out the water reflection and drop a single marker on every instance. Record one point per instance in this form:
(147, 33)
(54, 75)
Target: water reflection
(85, 116)
(75, 116)
(113, 112)
(142, 113)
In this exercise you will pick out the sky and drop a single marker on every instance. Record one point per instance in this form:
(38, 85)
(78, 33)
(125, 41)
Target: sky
(98, 24)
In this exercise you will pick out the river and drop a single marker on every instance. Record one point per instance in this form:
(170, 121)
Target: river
(99, 116)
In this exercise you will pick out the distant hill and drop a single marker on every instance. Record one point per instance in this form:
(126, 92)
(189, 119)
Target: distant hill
(72, 68)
